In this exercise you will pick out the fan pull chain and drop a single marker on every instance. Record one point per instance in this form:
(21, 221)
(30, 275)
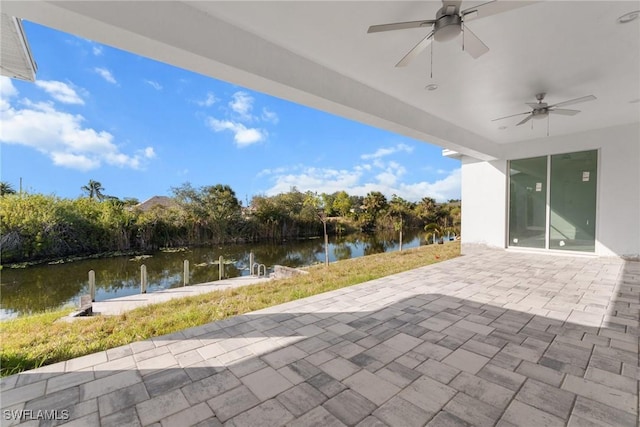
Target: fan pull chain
(548, 121)
(462, 27)
(431, 64)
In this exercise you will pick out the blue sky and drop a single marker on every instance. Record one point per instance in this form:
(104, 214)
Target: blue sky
(141, 127)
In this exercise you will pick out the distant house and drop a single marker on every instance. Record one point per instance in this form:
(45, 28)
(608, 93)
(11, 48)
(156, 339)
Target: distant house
(162, 201)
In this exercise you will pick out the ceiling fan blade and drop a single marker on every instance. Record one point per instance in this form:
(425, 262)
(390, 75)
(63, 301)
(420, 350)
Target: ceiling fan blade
(472, 44)
(422, 44)
(400, 26)
(574, 101)
(513, 115)
(564, 112)
(493, 8)
(526, 119)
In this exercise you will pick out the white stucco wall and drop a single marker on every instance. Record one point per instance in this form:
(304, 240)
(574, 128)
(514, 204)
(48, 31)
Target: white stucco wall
(484, 199)
(484, 188)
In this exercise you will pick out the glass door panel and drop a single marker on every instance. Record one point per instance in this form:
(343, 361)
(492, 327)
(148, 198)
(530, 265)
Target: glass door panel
(572, 201)
(527, 202)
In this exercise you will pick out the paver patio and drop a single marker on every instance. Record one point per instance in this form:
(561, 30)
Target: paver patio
(490, 338)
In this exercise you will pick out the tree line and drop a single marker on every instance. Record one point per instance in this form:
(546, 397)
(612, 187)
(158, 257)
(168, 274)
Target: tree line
(39, 227)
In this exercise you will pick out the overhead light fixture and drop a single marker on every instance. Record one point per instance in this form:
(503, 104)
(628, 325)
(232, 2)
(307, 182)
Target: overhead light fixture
(431, 87)
(629, 17)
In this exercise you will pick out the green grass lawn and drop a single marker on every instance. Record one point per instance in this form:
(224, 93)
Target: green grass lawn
(32, 341)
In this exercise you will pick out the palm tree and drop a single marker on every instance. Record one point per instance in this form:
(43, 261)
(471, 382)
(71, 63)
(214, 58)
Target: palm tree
(434, 231)
(6, 188)
(94, 189)
(398, 208)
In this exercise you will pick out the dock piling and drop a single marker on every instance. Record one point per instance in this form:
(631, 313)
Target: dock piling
(186, 272)
(92, 285)
(143, 279)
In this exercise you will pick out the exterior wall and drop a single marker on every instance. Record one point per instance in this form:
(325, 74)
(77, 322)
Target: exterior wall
(484, 188)
(484, 198)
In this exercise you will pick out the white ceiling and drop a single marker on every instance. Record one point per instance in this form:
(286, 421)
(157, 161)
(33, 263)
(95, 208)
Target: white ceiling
(319, 54)
(566, 49)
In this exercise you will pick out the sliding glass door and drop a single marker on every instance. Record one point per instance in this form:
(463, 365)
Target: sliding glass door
(528, 202)
(552, 201)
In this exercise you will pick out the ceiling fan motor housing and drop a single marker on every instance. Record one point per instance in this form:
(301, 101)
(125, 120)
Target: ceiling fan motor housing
(447, 27)
(540, 113)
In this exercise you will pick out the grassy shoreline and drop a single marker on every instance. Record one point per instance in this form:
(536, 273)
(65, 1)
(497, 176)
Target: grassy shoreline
(32, 341)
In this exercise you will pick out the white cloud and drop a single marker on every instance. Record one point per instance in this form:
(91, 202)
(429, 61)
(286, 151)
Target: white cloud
(97, 50)
(383, 152)
(149, 152)
(62, 136)
(154, 84)
(7, 91)
(270, 116)
(443, 189)
(74, 161)
(320, 180)
(60, 91)
(242, 104)
(239, 116)
(243, 136)
(355, 182)
(208, 101)
(106, 74)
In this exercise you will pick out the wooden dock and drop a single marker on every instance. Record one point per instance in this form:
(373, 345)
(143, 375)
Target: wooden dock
(123, 304)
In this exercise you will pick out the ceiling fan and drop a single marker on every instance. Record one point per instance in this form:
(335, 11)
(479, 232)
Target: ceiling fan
(540, 109)
(448, 24)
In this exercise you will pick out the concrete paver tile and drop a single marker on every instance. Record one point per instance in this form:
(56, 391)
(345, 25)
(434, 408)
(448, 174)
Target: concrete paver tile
(428, 394)
(269, 414)
(482, 389)
(301, 399)
(473, 411)
(547, 398)
(371, 386)
(398, 374)
(466, 361)
(317, 417)
(371, 421)
(108, 384)
(282, 357)
(210, 387)
(124, 418)
(339, 368)
(123, 398)
(188, 417)
(399, 412)
(326, 384)
(233, 402)
(600, 393)
(602, 414)
(520, 413)
(445, 419)
(162, 406)
(165, 380)
(349, 407)
(266, 383)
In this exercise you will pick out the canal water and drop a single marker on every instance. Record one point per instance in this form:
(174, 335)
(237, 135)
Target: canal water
(51, 286)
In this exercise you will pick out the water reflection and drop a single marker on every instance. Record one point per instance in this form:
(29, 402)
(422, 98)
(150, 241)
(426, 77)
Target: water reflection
(45, 287)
